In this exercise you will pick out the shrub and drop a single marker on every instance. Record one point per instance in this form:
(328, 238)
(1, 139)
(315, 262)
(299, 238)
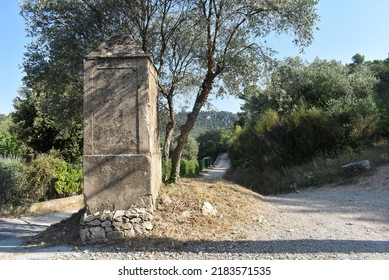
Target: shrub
(11, 179)
(189, 168)
(9, 144)
(41, 176)
(68, 180)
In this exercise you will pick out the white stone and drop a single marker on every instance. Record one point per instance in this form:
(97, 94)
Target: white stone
(208, 209)
(147, 225)
(185, 214)
(362, 165)
(166, 199)
(118, 215)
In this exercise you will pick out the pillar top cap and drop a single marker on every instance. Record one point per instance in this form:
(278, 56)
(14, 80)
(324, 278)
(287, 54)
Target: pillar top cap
(117, 46)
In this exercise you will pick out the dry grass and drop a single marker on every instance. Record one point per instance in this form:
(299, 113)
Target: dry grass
(183, 219)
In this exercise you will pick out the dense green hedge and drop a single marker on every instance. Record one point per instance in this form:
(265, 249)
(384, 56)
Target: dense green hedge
(205, 162)
(189, 168)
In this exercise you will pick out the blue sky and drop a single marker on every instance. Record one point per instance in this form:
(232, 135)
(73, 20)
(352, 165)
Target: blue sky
(346, 27)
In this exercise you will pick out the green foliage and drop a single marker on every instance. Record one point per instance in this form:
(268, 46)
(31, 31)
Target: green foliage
(191, 149)
(320, 109)
(189, 168)
(68, 180)
(206, 121)
(41, 176)
(380, 70)
(212, 143)
(41, 133)
(9, 143)
(11, 179)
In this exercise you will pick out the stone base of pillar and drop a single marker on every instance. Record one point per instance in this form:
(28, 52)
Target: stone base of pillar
(114, 226)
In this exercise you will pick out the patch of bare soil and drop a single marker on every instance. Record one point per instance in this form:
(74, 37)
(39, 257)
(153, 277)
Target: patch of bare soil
(65, 232)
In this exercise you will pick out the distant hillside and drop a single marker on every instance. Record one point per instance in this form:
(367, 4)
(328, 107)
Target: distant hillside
(207, 120)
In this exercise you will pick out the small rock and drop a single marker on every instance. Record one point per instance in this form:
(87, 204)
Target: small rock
(118, 215)
(93, 223)
(108, 229)
(128, 234)
(97, 234)
(148, 225)
(106, 216)
(106, 224)
(146, 216)
(165, 199)
(208, 209)
(185, 214)
(131, 214)
(138, 229)
(359, 166)
(121, 226)
(136, 220)
(90, 218)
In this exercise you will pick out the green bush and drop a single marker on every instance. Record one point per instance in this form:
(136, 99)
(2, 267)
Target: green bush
(9, 144)
(68, 180)
(11, 179)
(189, 168)
(41, 176)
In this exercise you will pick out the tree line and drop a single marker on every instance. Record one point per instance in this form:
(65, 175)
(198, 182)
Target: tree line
(307, 111)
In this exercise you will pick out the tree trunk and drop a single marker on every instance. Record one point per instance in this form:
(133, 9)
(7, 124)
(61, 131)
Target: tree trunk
(206, 88)
(168, 137)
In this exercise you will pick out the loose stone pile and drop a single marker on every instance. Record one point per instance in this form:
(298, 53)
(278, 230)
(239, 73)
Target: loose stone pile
(115, 225)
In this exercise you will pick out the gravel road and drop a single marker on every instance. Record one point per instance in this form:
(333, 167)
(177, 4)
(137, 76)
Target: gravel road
(348, 221)
(220, 167)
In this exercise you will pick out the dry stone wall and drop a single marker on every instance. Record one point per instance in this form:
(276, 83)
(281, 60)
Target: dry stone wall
(115, 225)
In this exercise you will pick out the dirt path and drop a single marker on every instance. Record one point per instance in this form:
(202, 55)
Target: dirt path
(220, 167)
(332, 220)
(348, 221)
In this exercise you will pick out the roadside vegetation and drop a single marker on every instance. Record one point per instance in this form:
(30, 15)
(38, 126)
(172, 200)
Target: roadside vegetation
(309, 120)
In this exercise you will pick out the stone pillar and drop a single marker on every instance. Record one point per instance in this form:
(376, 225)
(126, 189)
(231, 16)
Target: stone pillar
(122, 161)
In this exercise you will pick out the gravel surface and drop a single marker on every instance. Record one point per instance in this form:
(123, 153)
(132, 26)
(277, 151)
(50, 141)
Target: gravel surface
(349, 221)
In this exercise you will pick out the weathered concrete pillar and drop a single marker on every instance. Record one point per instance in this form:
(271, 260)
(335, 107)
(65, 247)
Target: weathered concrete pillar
(122, 161)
